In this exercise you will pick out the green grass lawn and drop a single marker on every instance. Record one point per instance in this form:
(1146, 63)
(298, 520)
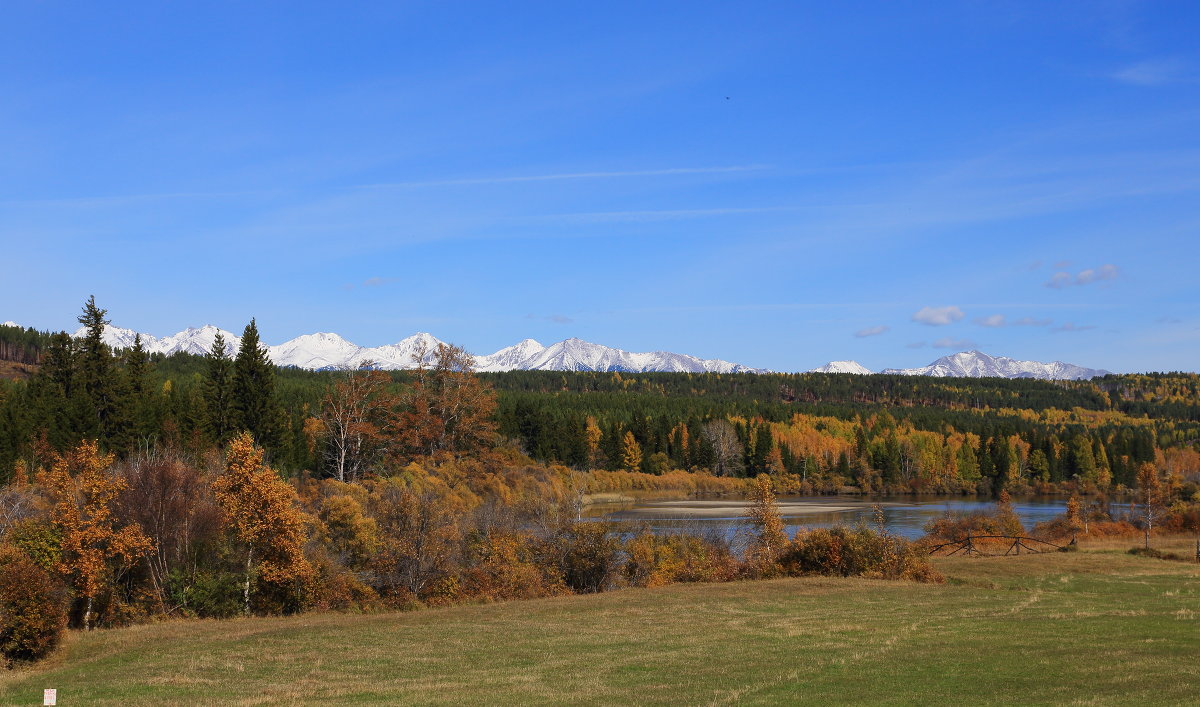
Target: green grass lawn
(1080, 628)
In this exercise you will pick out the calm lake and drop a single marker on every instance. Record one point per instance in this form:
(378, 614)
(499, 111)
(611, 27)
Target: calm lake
(903, 515)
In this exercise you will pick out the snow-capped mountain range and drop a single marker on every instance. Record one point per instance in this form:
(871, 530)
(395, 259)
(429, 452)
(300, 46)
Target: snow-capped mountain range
(325, 351)
(976, 364)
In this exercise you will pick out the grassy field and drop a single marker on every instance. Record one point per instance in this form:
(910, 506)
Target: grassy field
(1093, 627)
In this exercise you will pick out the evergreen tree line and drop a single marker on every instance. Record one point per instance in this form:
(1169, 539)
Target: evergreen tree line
(855, 429)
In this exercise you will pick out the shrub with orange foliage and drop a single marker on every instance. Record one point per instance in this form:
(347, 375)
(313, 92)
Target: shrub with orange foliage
(857, 552)
(659, 560)
(33, 612)
(505, 565)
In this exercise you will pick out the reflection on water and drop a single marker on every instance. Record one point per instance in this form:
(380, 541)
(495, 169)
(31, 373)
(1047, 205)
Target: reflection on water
(903, 515)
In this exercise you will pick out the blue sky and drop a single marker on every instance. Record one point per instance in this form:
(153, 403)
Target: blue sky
(778, 184)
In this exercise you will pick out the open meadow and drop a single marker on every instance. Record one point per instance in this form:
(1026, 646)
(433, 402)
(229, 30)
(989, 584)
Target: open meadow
(1092, 627)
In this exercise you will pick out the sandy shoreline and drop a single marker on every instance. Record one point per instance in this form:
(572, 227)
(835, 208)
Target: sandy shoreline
(739, 508)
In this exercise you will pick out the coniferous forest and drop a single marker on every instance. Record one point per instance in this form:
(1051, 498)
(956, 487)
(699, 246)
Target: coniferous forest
(878, 432)
(135, 485)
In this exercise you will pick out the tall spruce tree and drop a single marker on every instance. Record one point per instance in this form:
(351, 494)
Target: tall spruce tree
(137, 372)
(218, 392)
(98, 378)
(254, 388)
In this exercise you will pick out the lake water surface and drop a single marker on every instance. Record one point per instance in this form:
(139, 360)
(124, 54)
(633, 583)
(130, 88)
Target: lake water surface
(903, 515)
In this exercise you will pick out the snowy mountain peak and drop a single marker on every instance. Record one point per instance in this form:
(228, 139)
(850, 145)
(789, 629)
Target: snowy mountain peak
(509, 357)
(120, 338)
(11, 323)
(842, 367)
(976, 364)
(317, 351)
(198, 341)
(402, 354)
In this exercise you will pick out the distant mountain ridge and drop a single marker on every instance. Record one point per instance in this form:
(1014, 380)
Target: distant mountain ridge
(842, 367)
(325, 351)
(976, 364)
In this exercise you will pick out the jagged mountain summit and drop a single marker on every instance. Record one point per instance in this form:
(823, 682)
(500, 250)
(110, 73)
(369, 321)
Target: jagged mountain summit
(976, 364)
(580, 355)
(509, 357)
(842, 367)
(325, 351)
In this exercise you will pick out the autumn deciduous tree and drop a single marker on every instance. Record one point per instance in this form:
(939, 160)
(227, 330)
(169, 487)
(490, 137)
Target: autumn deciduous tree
(449, 410)
(726, 448)
(95, 551)
(631, 453)
(1075, 521)
(769, 537)
(419, 533)
(592, 434)
(1150, 497)
(261, 510)
(355, 421)
(173, 503)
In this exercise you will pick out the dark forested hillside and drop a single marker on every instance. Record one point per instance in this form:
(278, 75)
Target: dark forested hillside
(871, 431)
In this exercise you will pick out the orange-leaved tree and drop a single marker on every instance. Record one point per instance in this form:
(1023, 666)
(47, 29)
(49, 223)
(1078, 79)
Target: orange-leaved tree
(449, 409)
(1151, 497)
(769, 540)
(262, 512)
(82, 491)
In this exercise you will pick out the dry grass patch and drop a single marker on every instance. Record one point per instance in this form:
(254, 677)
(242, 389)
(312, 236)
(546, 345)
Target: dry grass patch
(1119, 629)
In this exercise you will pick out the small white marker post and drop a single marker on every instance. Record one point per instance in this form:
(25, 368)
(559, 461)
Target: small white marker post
(49, 697)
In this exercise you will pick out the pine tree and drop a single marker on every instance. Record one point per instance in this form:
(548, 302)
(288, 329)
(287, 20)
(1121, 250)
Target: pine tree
(137, 373)
(218, 391)
(98, 379)
(253, 395)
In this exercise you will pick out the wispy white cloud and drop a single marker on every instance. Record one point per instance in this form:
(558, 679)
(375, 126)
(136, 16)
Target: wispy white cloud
(1031, 321)
(562, 176)
(994, 320)
(938, 316)
(1063, 279)
(916, 345)
(1155, 72)
(948, 342)
(554, 318)
(371, 282)
(1059, 280)
(1104, 272)
(1070, 327)
(871, 331)
(649, 215)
